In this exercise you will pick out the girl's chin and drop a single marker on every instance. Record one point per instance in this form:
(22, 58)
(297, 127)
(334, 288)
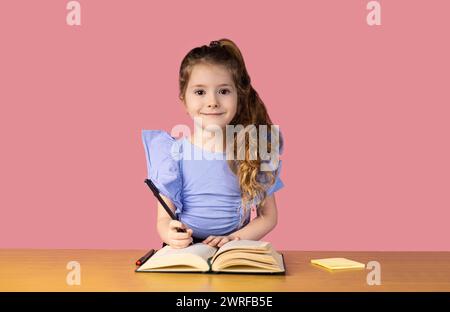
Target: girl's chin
(211, 117)
(207, 123)
(212, 126)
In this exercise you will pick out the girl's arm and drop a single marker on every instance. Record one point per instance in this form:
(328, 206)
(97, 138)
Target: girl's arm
(163, 219)
(166, 227)
(265, 221)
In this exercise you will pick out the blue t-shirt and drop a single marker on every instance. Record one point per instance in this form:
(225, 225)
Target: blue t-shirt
(205, 191)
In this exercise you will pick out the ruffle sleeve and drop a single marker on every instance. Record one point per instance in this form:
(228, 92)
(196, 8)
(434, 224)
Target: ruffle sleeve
(278, 184)
(163, 164)
(275, 167)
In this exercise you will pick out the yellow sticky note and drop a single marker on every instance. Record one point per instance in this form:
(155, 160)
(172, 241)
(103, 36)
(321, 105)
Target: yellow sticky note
(338, 263)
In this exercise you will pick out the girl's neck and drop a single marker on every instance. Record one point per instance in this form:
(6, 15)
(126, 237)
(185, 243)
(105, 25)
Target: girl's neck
(207, 141)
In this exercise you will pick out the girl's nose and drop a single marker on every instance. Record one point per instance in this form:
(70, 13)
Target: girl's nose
(212, 101)
(214, 104)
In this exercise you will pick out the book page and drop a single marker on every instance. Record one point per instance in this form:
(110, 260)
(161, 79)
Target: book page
(247, 260)
(240, 265)
(195, 256)
(204, 251)
(237, 254)
(246, 246)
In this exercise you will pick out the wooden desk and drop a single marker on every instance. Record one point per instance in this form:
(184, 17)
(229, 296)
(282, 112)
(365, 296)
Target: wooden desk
(113, 270)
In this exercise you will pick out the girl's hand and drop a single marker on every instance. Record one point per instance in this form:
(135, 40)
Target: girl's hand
(179, 239)
(219, 241)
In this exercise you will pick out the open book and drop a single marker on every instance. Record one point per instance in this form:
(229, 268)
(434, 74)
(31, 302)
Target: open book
(241, 256)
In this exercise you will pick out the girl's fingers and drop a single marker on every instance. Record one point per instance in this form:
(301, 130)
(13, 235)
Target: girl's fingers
(208, 239)
(223, 241)
(215, 241)
(181, 243)
(219, 240)
(176, 224)
(181, 235)
(227, 239)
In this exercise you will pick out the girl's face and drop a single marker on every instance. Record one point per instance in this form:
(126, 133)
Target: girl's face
(211, 95)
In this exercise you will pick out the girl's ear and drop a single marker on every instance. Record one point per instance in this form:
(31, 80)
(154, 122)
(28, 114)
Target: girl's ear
(182, 101)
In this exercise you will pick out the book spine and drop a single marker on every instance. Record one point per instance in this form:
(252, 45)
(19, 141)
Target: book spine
(210, 264)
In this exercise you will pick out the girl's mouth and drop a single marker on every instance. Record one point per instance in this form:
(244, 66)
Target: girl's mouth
(212, 114)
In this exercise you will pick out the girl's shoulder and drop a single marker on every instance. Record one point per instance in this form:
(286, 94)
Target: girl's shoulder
(161, 144)
(162, 152)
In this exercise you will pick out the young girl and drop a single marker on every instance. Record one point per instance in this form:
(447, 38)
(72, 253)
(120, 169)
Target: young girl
(212, 196)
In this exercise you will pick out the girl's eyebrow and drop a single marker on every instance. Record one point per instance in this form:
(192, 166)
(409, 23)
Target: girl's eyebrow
(221, 85)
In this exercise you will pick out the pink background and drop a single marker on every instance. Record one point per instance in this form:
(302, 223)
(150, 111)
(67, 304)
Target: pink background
(364, 112)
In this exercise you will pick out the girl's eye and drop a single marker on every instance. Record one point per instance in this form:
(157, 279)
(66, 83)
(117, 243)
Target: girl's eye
(221, 91)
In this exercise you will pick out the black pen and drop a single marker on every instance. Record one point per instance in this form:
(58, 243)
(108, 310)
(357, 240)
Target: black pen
(145, 257)
(163, 203)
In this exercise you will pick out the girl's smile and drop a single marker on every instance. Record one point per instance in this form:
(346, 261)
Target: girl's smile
(212, 114)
